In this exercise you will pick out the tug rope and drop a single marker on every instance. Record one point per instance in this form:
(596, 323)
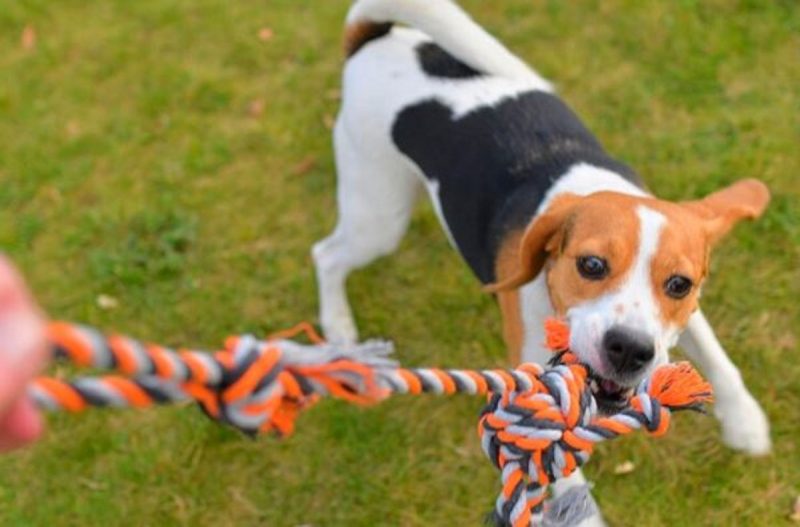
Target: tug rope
(543, 434)
(540, 423)
(253, 385)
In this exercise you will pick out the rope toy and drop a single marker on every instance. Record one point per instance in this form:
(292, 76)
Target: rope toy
(252, 385)
(539, 425)
(545, 433)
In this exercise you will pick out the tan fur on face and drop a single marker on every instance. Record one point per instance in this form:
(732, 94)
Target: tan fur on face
(534, 245)
(606, 224)
(603, 225)
(683, 249)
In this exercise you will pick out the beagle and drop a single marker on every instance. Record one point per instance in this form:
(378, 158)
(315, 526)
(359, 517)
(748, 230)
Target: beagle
(542, 214)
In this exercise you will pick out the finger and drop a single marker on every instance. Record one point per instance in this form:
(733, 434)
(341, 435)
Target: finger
(23, 349)
(21, 425)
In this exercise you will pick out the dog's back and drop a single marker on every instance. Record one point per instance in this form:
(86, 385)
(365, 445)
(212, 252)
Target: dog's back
(485, 134)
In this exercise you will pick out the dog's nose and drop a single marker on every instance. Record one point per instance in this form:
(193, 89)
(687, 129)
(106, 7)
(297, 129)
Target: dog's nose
(628, 350)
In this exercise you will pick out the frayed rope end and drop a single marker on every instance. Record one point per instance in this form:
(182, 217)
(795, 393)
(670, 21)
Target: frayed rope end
(679, 386)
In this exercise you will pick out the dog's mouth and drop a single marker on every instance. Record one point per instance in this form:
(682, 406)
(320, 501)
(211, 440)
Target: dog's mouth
(611, 397)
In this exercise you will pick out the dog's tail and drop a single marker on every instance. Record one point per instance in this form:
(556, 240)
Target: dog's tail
(445, 22)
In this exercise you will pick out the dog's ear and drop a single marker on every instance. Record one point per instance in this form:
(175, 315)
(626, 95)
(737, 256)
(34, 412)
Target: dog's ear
(539, 239)
(721, 210)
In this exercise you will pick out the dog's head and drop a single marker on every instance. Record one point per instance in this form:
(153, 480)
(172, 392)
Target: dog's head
(626, 272)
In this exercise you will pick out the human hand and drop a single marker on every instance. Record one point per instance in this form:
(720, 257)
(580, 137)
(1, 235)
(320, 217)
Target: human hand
(23, 352)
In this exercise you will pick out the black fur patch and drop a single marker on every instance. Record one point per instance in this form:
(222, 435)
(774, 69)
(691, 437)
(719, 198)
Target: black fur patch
(495, 164)
(436, 62)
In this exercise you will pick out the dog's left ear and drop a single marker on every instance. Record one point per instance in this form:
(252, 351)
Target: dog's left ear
(537, 242)
(721, 210)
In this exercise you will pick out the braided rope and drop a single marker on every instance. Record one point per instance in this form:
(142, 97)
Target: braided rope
(539, 425)
(249, 380)
(537, 436)
(253, 385)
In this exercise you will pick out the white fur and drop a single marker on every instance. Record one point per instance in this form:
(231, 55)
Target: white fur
(376, 198)
(433, 191)
(451, 28)
(633, 304)
(581, 179)
(577, 479)
(744, 425)
(377, 185)
(378, 188)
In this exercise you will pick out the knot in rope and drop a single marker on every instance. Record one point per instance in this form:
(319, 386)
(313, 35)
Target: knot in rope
(266, 385)
(253, 385)
(537, 436)
(539, 425)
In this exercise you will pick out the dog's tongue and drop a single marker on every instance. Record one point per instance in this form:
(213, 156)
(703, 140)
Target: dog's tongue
(610, 386)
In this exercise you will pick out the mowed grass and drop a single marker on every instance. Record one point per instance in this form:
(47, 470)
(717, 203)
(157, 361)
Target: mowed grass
(161, 153)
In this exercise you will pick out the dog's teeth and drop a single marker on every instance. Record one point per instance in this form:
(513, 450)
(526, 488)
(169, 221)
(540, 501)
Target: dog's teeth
(594, 386)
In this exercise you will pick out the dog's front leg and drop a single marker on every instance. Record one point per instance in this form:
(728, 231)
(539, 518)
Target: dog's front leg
(571, 503)
(744, 425)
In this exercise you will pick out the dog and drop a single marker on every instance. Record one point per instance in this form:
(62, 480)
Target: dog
(542, 214)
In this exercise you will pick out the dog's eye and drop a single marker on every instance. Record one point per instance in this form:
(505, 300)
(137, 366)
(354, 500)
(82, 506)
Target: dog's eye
(677, 286)
(592, 267)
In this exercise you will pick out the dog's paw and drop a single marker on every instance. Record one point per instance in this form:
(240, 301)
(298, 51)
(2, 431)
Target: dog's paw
(593, 521)
(572, 504)
(744, 425)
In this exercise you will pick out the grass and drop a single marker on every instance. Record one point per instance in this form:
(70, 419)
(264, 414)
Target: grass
(161, 153)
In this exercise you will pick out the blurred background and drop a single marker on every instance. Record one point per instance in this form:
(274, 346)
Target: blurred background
(166, 165)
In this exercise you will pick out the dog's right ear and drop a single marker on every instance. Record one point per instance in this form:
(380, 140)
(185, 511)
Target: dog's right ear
(536, 243)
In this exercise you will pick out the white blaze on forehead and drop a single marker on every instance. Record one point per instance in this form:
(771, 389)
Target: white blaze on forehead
(632, 304)
(638, 297)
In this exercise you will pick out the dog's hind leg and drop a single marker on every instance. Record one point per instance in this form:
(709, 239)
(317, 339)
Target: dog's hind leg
(744, 425)
(376, 196)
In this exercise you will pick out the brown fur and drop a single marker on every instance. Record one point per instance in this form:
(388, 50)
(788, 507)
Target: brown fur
(505, 266)
(594, 231)
(357, 34)
(606, 224)
(534, 245)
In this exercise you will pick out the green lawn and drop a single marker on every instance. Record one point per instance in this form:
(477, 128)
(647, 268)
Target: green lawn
(135, 162)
